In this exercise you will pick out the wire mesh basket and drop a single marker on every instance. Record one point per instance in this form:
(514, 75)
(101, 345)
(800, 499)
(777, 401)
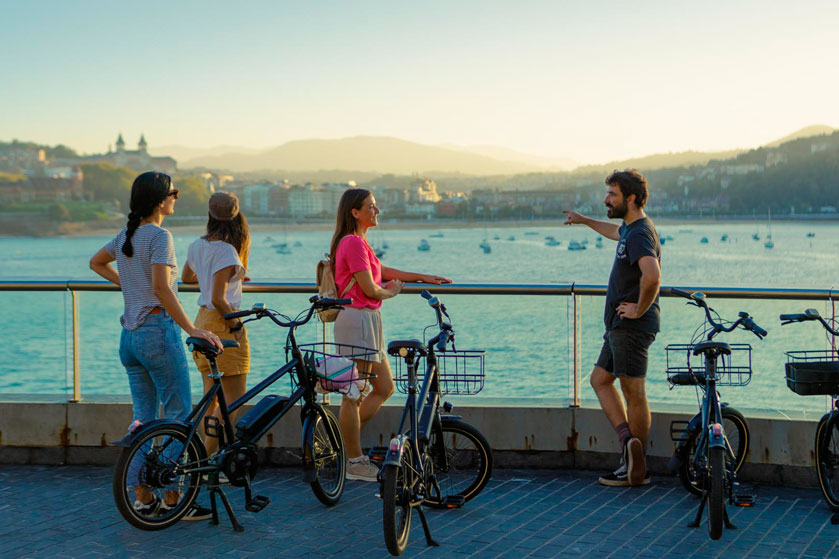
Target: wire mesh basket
(686, 369)
(334, 366)
(461, 372)
(810, 372)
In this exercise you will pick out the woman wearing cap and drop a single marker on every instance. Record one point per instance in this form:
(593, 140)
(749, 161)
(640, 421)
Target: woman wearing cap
(218, 262)
(150, 346)
(359, 275)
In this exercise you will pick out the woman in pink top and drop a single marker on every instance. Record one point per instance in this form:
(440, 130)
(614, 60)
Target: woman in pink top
(361, 323)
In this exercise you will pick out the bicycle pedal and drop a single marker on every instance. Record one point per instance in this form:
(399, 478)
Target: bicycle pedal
(377, 454)
(453, 501)
(743, 500)
(258, 503)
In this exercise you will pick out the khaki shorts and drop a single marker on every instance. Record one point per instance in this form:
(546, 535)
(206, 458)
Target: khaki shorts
(361, 328)
(234, 360)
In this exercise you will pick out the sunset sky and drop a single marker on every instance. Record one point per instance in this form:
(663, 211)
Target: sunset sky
(591, 81)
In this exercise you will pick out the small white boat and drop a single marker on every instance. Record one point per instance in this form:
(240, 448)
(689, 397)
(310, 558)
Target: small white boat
(552, 242)
(574, 245)
(704, 240)
(485, 246)
(436, 235)
(424, 246)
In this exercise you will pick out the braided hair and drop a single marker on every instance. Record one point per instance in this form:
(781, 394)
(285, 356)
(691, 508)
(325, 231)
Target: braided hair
(147, 192)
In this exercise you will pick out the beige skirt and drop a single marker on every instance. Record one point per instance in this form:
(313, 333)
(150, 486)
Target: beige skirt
(361, 328)
(233, 360)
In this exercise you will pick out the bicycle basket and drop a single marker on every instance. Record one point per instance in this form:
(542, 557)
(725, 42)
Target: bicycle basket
(461, 372)
(811, 372)
(334, 367)
(686, 369)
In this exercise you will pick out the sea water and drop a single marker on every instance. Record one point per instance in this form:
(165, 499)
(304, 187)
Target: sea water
(528, 339)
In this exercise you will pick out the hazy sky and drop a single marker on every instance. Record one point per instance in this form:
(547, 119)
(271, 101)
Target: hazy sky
(593, 81)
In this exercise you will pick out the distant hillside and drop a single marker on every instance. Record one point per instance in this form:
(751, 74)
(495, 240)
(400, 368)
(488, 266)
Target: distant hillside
(661, 161)
(806, 132)
(362, 153)
(183, 153)
(506, 154)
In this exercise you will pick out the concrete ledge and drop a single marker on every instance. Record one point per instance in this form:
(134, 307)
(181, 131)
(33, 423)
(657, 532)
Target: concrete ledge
(545, 434)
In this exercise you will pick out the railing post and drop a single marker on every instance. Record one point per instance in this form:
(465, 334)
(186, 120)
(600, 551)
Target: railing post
(575, 400)
(77, 387)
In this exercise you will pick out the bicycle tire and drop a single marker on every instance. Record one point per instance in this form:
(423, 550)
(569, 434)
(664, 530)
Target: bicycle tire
(736, 431)
(827, 459)
(396, 500)
(330, 463)
(143, 465)
(716, 494)
(469, 459)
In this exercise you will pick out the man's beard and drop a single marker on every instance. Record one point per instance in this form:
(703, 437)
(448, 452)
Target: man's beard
(618, 212)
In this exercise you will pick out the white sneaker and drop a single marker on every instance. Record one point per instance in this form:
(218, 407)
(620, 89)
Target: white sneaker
(362, 470)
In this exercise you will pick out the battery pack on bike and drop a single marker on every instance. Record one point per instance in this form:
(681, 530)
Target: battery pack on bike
(260, 415)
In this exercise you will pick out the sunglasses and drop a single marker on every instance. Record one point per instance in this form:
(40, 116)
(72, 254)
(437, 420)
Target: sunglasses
(173, 192)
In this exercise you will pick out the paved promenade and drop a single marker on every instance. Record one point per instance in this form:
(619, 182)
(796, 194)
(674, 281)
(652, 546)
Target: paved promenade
(59, 512)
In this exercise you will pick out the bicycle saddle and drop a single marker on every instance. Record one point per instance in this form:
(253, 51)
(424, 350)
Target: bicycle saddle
(415, 345)
(702, 347)
(206, 348)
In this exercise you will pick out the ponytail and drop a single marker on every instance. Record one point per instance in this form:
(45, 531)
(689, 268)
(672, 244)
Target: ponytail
(149, 190)
(133, 223)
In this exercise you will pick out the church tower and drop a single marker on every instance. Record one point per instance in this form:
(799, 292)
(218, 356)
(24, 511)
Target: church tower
(142, 145)
(120, 144)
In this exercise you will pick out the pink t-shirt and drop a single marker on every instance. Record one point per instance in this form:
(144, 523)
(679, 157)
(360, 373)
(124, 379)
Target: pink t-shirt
(354, 255)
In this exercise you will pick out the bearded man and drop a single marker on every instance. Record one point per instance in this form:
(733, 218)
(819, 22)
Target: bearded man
(632, 320)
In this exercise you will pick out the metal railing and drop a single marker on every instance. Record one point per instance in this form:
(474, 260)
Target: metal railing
(573, 290)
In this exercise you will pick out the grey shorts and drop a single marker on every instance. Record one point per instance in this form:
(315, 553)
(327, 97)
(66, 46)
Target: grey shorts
(625, 352)
(361, 328)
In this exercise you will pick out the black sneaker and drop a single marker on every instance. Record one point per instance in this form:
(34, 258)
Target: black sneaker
(618, 478)
(197, 512)
(147, 509)
(635, 461)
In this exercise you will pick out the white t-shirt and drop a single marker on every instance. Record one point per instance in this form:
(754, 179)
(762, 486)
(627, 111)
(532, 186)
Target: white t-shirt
(208, 257)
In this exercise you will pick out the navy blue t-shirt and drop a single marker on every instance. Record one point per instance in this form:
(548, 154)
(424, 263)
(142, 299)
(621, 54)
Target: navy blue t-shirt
(638, 239)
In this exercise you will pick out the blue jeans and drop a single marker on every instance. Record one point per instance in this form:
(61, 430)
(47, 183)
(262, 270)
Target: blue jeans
(155, 360)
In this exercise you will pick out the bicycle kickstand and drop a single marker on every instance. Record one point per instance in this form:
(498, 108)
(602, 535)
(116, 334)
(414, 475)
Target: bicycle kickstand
(214, 488)
(729, 525)
(698, 519)
(428, 539)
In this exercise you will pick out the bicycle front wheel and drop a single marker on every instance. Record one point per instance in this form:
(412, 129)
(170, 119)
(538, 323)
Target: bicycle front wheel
(462, 461)
(155, 480)
(328, 458)
(716, 501)
(827, 459)
(692, 473)
(397, 486)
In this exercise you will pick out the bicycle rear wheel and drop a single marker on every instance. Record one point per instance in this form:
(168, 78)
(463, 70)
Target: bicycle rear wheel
(716, 495)
(462, 461)
(328, 458)
(692, 473)
(154, 482)
(827, 458)
(397, 486)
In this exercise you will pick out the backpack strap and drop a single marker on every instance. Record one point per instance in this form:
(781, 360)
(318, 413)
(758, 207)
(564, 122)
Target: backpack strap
(349, 286)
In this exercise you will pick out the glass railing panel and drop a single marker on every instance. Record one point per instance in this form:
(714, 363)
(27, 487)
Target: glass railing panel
(37, 356)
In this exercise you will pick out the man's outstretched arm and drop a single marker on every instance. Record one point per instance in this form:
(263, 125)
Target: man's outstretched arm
(605, 228)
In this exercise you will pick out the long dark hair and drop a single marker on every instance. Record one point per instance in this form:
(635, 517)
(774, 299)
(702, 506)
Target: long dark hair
(345, 223)
(147, 192)
(234, 232)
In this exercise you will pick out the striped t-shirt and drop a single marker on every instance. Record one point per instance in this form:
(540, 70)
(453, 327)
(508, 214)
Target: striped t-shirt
(152, 245)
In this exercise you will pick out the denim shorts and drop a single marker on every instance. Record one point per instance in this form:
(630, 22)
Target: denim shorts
(625, 352)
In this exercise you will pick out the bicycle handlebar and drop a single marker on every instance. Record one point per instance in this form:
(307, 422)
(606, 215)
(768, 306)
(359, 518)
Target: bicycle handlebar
(318, 303)
(697, 298)
(446, 332)
(809, 314)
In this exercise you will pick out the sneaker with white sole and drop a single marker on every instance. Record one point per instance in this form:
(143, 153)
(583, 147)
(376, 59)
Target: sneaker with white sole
(620, 478)
(362, 470)
(197, 512)
(147, 509)
(636, 465)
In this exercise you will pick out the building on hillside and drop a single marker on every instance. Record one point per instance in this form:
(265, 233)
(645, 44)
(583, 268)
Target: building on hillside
(265, 199)
(138, 160)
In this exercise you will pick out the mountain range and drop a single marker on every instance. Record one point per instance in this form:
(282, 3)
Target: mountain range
(382, 154)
